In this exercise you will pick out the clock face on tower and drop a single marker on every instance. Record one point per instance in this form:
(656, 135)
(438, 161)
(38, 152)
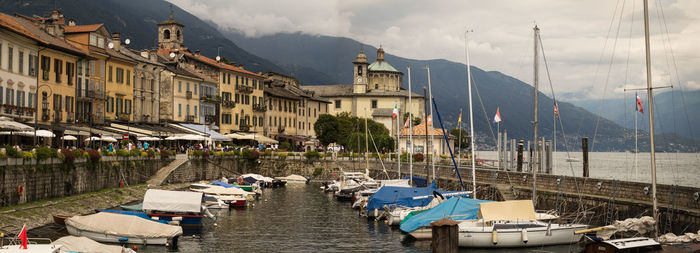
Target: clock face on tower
(359, 79)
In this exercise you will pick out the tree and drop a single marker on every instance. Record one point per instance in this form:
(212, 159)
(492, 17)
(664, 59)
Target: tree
(465, 137)
(327, 129)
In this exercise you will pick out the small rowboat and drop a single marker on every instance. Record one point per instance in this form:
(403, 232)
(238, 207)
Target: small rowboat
(60, 219)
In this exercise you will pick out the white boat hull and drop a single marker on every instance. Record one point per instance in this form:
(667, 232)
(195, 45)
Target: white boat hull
(31, 248)
(101, 237)
(422, 234)
(511, 238)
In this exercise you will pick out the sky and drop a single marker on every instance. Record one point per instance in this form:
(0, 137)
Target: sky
(578, 37)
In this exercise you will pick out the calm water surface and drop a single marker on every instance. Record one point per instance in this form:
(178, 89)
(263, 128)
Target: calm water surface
(301, 218)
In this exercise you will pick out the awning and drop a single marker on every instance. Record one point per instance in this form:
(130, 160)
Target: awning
(172, 201)
(95, 130)
(185, 129)
(68, 138)
(132, 129)
(77, 132)
(39, 133)
(214, 135)
(261, 138)
(512, 210)
(9, 124)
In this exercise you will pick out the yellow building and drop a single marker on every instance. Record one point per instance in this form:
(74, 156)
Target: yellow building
(119, 91)
(309, 106)
(179, 88)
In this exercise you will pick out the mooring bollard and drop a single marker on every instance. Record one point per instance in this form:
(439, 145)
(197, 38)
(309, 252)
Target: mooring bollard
(520, 155)
(445, 236)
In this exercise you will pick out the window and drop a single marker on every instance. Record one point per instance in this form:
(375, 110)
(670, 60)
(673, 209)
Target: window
(58, 69)
(100, 42)
(93, 40)
(314, 112)
(179, 110)
(247, 99)
(237, 98)
(110, 105)
(195, 111)
(236, 81)
(195, 89)
(90, 68)
(109, 74)
(166, 34)
(179, 86)
(80, 67)
(21, 62)
(69, 104)
(374, 104)
(127, 109)
(236, 122)
(100, 69)
(70, 71)
(261, 121)
(120, 106)
(255, 121)
(0, 54)
(120, 75)
(255, 101)
(9, 95)
(128, 77)
(188, 86)
(376, 86)
(229, 79)
(45, 67)
(275, 121)
(337, 104)
(187, 110)
(246, 81)
(33, 61)
(10, 58)
(359, 70)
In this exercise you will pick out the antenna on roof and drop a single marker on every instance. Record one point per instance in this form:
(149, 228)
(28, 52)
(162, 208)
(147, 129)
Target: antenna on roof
(171, 11)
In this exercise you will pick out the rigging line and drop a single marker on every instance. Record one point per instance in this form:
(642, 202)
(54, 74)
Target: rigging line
(571, 166)
(600, 58)
(378, 154)
(675, 67)
(483, 109)
(607, 78)
(624, 101)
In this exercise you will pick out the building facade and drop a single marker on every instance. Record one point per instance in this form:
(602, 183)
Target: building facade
(146, 83)
(376, 88)
(309, 106)
(18, 71)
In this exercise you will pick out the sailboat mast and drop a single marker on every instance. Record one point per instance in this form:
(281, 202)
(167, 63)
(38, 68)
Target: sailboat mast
(636, 147)
(472, 145)
(410, 129)
(459, 146)
(533, 164)
(366, 148)
(432, 149)
(398, 140)
(651, 118)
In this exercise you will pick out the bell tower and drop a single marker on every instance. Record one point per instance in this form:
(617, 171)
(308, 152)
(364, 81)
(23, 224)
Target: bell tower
(360, 75)
(170, 33)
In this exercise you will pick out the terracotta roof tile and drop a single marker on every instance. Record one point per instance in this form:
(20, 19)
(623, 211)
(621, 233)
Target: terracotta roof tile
(81, 28)
(29, 29)
(419, 130)
(209, 61)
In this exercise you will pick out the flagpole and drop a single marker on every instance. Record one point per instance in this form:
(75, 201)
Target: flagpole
(636, 149)
(459, 147)
(398, 141)
(410, 129)
(471, 116)
(432, 149)
(554, 151)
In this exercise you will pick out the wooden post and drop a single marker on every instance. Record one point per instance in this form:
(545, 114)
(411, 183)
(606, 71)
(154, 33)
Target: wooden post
(445, 236)
(520, 155)
(548, 158)
(584, 147)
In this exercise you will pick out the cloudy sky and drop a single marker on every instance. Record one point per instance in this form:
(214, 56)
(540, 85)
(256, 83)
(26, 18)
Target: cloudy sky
(578, 36)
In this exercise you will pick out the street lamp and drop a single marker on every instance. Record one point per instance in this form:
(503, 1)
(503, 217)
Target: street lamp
(44, 103)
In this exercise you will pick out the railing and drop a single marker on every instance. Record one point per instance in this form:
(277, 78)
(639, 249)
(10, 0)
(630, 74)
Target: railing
(189, 118)
(245, 89)
(124, 117)
(188, 94)
(228, 104)
(208, 98)
(259, 107)
(16, 111)
(69, 118)
(280, 129)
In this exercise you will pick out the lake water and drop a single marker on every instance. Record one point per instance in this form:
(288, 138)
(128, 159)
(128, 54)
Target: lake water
(301, 218)
(672, 168)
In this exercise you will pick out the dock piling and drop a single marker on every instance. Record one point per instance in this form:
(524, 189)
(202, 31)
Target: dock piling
(520, 155)
(445, 236)
(584, 147)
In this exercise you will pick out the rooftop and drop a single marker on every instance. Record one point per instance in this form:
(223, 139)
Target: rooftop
(32, 31)
(420, 130)
(346, 90)
(81, 28)
(381, 66)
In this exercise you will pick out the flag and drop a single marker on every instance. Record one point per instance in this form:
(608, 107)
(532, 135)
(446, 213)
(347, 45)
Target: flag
(23, 237)
(639, 104)
(408, 119)
(497, 118)
(459, 120)
(556, 109)
(395, 112)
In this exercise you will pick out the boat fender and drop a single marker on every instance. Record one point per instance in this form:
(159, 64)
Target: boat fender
(177, 218)
(523, 233)
(20, 189)
(123, 239)
(239, 180)
(155, 218)
(481, 162)
(494, 237)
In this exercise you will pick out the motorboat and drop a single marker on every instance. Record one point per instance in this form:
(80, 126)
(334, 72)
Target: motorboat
(511, 224)
(294, 179)
(83, 244)
(180, 207)
(212, 202)
(119, 228)
(233, 197)
(393, 197)
(34, 245)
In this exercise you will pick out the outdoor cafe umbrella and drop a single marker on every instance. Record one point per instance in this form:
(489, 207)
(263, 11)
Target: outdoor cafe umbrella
(108, 139)
(9, 124)
(39, 133)
(68, 138)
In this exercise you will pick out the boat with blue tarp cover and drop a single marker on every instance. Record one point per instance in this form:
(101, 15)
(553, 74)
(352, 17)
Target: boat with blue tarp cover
(405, 197)
(132, 213)
(456, 208)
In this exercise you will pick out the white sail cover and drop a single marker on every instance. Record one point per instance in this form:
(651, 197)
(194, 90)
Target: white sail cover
(507, 210)
(219, 190)
(123, 225)
(258, 177)
(292, 177)
(172, 201)
(83, 244)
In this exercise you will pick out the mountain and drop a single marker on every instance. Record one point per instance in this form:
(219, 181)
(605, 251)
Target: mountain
(334, 55)
(137, 20)
(674, 112)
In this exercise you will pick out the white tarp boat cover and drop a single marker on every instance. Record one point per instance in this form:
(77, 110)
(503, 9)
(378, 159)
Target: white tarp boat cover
(220, 190)
(123, 225)
(172, 201)
(83, 244)
(258, 177)
(507, 210)
(641, 225)
(685, 238)
(292, 177)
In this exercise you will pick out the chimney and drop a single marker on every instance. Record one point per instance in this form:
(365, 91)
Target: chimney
(116, 41)
(71, 22)
(196, 53)
(240, 66)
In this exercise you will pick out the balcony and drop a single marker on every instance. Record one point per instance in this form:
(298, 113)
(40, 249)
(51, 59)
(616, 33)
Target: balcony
(123, 117)
(189, 118)
(16, 112)
(188, 95)
(210, 119)
(70, 118)
(259, 107)
(228, 104)
(244, 89)
(280, 129)
(209, 99)
(57, 116)
(95, 94)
